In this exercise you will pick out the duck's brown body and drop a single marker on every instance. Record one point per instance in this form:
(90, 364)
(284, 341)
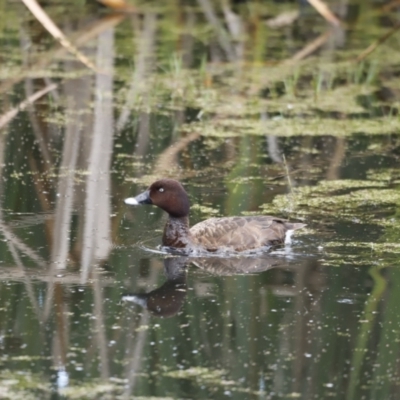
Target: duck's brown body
(229, 233)
(242, 233)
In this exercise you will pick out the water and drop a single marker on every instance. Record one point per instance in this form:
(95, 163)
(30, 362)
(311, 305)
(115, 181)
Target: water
(90, 308)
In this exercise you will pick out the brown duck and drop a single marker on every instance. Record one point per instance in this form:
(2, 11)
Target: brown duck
(228, 233)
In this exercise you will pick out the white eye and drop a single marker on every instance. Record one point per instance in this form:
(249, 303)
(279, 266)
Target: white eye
(161, 189)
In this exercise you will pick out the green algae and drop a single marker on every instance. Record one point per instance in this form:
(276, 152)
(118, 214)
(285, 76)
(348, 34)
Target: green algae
(214, 379)
(370, 205)
(343, 199)
(281, 126)
(90, 391)
(204, 209)
(202, 374)
(24, 385)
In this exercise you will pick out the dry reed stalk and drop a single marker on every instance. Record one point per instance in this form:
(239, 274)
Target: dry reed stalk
(87, 33)
(312, 46)
(324, 10)
(9, 115)
(392, 4)
(378, 42)
(118, 5)
(53, 29)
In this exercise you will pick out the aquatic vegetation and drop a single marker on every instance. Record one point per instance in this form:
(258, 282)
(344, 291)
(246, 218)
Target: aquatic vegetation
(345, 199)
(258, 107)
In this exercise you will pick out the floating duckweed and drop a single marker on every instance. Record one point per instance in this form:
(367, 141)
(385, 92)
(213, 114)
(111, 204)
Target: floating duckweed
(204, 375)
(205, 209)
(341, 198)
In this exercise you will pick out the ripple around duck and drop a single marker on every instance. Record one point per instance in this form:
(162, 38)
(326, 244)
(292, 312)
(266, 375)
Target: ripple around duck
(232, 263)
(199, 252)
(266, 252)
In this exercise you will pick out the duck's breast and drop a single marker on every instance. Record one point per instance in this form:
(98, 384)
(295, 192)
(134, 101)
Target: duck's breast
(240, 233)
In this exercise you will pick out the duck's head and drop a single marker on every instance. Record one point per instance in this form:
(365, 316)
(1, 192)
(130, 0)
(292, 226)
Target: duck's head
(168, 194)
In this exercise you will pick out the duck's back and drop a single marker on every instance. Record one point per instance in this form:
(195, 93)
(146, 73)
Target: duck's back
(242, 233)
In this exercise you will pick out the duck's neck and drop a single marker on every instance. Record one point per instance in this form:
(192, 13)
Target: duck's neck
(177, 233)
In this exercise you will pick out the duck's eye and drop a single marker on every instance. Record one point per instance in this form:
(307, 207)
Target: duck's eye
(161, 189)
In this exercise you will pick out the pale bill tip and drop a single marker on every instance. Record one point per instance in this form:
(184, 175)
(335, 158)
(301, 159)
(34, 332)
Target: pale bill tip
(131, 201)
(135, 299)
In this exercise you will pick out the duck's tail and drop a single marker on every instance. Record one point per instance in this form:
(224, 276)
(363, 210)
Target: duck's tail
(296, 225)
(291, 227)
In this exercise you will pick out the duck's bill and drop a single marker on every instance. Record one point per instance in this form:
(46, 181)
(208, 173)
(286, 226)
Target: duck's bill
(142, 198)
(137, 299)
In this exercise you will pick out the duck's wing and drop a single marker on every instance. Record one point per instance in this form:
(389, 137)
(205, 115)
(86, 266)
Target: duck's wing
(241, 233)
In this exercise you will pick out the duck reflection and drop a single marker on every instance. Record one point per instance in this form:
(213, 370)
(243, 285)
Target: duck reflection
(238, 265)
(167, 300)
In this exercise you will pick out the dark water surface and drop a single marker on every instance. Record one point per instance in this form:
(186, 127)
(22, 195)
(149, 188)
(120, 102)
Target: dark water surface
(219, 98)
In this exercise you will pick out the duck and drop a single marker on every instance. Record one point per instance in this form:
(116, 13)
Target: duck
(236, 233)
